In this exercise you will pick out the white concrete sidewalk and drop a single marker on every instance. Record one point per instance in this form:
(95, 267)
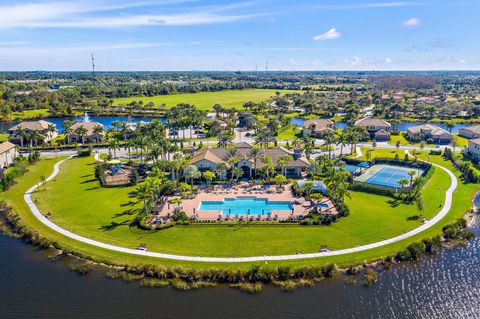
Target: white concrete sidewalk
(36, 212)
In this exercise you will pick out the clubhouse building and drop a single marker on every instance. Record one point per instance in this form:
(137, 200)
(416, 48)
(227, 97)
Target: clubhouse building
(92, 134)
(209, 158)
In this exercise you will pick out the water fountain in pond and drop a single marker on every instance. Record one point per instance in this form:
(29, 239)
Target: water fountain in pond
(86, 118)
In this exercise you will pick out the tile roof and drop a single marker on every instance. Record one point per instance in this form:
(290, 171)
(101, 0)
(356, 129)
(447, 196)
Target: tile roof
(5, 146)
(40, 125)
(90, 126)
(427, 128)
(369, 121)
(472, 128)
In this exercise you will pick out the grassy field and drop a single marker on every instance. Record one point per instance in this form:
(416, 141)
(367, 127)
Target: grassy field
(30, 114)
(70, 195)
(461, 141)
(378, 152)
(289, 132)
(206, 100)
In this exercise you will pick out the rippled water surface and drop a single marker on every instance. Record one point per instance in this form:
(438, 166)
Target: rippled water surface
(444, 286)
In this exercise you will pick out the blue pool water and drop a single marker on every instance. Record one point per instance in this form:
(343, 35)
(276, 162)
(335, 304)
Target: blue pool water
(351, 168)
(388, 177)
(242, 206)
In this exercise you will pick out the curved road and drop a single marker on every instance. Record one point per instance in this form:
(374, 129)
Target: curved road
(36, 212)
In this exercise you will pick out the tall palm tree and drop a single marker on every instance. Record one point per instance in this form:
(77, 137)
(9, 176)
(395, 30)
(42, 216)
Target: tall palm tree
(67, 129)
(51, 129)
(144, 192)
(342, 140)
(232, 159)
(255, 154)
(81, 131)
(19, 131)
(113, 145)
(283, 161)
(98, 130)
(411, 173)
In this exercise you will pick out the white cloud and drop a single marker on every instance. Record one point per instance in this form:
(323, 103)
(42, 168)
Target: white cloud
(411, 23)
(388, 61)
(86, 15)
(331, 34)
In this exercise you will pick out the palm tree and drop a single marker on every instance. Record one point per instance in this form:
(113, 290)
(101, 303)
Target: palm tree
(402, 182)
(308, 187)
(268, 168)
(144, 191)
(209, 176)
(176, 201)
(81, 131)
(232, 159)
(255, 154)
(220, 170)
(67, 129)
(283, 161)
(19, 131)
(51, 129)
(113, 146)
(98, 130)
(191, 173)
(128, 147)
(411, 173)
(342, 140)
(329, 138)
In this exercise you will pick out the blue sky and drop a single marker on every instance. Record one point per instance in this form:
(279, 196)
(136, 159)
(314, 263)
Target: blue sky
(240, 35)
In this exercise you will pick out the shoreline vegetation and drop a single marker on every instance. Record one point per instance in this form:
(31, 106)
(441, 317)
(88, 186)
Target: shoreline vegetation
(250, 278)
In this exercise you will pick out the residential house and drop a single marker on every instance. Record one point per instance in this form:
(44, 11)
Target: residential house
(8, 154)
(472, 131)
(92, 135)
(378, 129)
(208, 159)
(429, 132)
(473, 149)
(317, 127)
(32, 132)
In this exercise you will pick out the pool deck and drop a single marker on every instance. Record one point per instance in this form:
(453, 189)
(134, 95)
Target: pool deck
(301, 207)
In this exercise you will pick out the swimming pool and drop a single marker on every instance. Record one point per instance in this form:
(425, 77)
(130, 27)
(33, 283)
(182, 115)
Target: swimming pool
(245, 205)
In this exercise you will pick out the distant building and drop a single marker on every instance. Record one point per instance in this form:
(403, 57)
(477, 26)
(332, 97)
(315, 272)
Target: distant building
(378, 129)
(318, 186)
(92, 135)
(41, 128)
(429, 131)
(317, 127)
(8, 154)
(473, 149)
(470, 131)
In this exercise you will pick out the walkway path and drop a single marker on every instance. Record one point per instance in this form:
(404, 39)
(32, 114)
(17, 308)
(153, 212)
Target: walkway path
(36, 212)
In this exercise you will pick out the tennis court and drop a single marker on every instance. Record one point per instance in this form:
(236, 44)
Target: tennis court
(387, 175)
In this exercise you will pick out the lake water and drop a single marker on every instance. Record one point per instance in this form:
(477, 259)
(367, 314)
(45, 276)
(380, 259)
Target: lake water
(402, 126)
(443, 286)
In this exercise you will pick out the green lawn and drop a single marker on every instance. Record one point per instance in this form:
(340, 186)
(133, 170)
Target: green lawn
(78, 204)
(69, 198)
(289, 132)
(378, 152)
(206, 100)
(30, 114)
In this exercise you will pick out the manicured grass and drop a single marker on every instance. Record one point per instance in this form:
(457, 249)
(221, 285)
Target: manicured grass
(78, 204)
(289, 132)
(30, 114)
(206, 100)
(69, 198)
(378, 152)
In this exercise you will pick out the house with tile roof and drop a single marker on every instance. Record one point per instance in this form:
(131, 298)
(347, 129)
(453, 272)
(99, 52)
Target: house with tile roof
(429, 131)
(378, 129)
(472, 131)
(209, 158)
(92, 135)
(40, 128)
(8, 154)
(317, 127)
(473, 149)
